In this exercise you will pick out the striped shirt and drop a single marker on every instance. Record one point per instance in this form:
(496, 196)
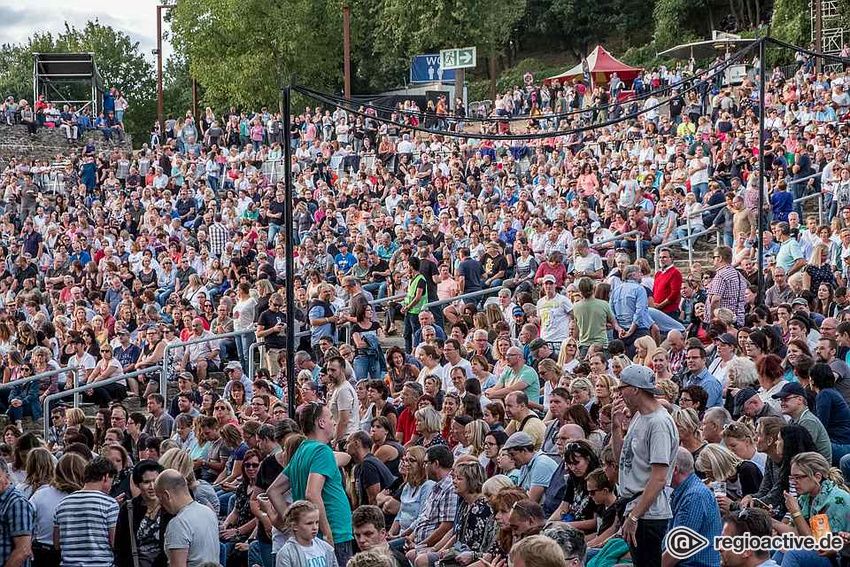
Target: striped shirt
(16, 519)
(84, 520)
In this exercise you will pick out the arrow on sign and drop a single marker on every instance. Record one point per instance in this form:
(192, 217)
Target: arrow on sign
(465, 57)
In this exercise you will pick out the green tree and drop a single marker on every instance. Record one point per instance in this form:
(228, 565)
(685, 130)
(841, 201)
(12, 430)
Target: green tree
(243, 51)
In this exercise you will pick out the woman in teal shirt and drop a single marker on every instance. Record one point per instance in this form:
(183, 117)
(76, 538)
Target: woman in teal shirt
(821, 491)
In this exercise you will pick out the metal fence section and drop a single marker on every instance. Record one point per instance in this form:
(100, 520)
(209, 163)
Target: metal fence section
(77, 390)
(469, 295)
(669, 243)
(163, 376)
(617, 238)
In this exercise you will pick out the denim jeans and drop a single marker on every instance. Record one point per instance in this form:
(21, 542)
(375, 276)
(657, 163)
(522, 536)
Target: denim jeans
(343, 552)
(243, 345)
(163, 294)
(699, 190)
(367, 367)
(377, 289)
(800, 558)
(411, 325)
(260, 553)
(273, 230)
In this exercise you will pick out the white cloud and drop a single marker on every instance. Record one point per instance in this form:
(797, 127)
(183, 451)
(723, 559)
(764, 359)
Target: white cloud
(136, 18)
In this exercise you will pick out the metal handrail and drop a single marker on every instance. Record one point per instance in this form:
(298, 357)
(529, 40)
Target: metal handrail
(79, 389)
(638, 241)
(251, 350)
(819, 197)
(667, 244)
(163, 376)
(386, 299)
(29, 379)
(469, 295)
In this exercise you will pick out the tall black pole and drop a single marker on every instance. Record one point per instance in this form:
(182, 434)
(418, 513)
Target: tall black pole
(290, 253)
(762, 174)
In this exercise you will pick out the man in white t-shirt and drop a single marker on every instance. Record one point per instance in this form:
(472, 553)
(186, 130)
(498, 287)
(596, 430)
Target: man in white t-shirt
(698, 172)
(343, 402)
(81, 360)
(586, 262)
(555, 312)
(191, 538)
(454, 360)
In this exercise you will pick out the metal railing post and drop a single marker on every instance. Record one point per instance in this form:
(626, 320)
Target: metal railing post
(77, 390)
(639, 247)
(690, 247)
(76, 383)
(252, 366)
(820, 209)
(48, 374)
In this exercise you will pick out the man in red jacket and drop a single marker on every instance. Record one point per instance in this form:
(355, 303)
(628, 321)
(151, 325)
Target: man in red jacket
(667, 290)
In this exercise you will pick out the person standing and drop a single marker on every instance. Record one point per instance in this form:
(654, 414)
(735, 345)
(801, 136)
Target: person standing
(84, 524)
(271, 327)
(592, 317)
(555, 312)
(313, 474)
(17, 519)
(727, 289)
(646, 455)
(414, 303)
(631, 309)
(191, 538)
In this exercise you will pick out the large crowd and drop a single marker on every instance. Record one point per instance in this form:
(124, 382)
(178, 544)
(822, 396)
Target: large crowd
(490, 370)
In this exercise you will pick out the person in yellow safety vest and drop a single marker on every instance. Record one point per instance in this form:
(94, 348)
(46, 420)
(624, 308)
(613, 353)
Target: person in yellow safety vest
(415, 301)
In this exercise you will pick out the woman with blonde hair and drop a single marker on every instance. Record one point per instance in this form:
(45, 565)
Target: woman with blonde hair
(688, 424)
(719, 464)
(619, 363)
(202, 491)
(644, 349)
(820, 491)
(429, 427)
(500, 354)
(568, 357)
(76, 417)
(818, 271)
(476, 431)
(68, 477)
(414, 492)
(742, 373)
(741, 440)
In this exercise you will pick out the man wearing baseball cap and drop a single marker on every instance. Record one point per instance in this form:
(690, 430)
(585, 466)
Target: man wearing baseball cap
(536, 469)
(555, 312)
(792, 400)
(647, 456)
(750, 407)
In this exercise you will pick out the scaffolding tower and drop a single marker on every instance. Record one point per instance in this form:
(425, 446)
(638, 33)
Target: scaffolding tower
(826, 17)
(67, 78)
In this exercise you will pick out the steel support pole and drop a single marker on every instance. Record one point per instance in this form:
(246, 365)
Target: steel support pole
(290, 252)
(762, 173)
(160, 103)
(346, 50)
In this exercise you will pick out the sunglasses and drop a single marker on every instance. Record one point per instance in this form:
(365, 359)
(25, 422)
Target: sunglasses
(251, 465)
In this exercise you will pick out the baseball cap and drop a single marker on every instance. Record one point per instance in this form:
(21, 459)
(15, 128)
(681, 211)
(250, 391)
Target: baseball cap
(536, 344)
(742, 397)
(800, 301)
(803, 320)
(518, 440)
(232, 365)
(640, 377)
(790, 389)
(548, 278)
(728, 338)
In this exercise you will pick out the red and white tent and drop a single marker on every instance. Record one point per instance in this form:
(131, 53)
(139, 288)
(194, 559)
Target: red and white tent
(601, 66)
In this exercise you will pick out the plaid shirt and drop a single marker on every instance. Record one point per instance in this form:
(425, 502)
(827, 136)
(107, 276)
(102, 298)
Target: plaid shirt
(218, 236)
(694, 507)
(16, 519)
(730, 286)
(440, 507)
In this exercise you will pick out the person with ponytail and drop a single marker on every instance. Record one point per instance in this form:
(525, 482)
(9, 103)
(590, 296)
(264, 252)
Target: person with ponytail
(303, 547)
(821, 506)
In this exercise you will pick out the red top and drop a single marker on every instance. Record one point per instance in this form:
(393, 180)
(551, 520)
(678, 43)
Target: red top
(668, 284)
(406, 427)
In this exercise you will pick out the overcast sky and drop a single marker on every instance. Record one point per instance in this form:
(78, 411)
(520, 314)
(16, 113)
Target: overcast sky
(137, 18)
